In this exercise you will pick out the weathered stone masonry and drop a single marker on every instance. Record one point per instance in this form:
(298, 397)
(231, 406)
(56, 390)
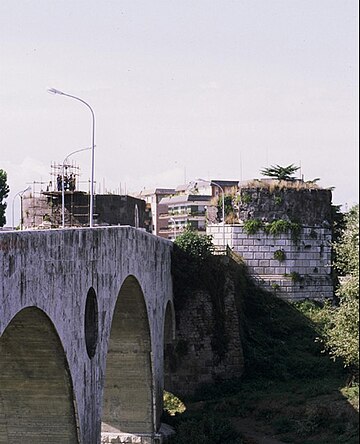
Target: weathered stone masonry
(293, 268)
(305, 271)
(78, 305)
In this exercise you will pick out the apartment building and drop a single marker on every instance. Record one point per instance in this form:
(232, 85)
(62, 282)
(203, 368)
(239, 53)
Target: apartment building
(181, 211)
(153, 199)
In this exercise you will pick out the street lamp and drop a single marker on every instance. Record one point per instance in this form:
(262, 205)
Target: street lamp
(62, 183)
(20, 193)
(223, 204)
(56, 91)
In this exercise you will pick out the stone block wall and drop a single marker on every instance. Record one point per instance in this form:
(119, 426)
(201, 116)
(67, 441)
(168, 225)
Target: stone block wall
(305, 271)
(191, 360)
(308, 206)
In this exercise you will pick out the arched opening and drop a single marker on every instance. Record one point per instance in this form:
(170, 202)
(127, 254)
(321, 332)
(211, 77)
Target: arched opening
(91, 323)
(128, 397)
(36, 395)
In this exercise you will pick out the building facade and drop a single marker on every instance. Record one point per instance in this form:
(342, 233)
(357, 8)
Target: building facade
(183, 211)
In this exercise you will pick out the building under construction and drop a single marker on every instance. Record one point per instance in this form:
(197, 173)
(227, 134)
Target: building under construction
(62, 198)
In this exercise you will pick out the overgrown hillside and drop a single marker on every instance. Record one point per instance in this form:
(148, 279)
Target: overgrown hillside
(291, 391)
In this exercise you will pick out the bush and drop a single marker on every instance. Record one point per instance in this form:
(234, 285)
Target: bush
(198, 246)
(172, 404)
(252, 226)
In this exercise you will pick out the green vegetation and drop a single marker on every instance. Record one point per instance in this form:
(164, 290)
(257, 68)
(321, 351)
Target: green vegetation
(245, 197)
(280, 255)
(198, 247)
(280, 173)
(278, 200)
(291, 389)
(301, 360)
(172, 404)
(252, 226)
(277, 227)
(339, 324)
(295, 277)
(274, 228)
(342, 335)
(4, 192)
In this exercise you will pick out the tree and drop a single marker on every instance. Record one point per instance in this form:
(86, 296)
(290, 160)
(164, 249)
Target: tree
(198, 246)
(342, 334)
(4, 191)
(280, 173)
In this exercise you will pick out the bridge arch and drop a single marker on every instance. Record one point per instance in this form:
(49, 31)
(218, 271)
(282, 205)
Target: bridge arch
(37, 404)
(128, 386)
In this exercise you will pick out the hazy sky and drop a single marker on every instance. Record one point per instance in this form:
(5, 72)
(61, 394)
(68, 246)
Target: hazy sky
(180, 89)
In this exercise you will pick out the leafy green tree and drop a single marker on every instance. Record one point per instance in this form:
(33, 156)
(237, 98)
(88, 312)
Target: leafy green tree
(343, 332)
(198, 246)
(4, 192)
(347, 246)
(280, 173)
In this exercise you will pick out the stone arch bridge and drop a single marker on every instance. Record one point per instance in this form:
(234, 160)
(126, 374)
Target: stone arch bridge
(83, 318)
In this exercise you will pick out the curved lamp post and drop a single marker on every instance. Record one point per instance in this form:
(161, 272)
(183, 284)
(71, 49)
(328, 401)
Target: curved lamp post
(62, 183)
(56, 91)
(223, 204)
(20, 193)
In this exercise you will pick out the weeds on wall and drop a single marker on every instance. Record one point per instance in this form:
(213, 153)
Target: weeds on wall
(294, 276)
(274, 228)
(278, 200)
(280, 255)
(245, 198)
(253, 226)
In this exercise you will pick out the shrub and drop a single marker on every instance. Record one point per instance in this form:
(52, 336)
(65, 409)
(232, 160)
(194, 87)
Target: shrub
(172, 404)
(198, 246)
(252, 226)
(277, 227)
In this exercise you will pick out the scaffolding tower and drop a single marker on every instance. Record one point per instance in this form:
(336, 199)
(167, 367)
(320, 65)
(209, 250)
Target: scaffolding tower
(44, 208)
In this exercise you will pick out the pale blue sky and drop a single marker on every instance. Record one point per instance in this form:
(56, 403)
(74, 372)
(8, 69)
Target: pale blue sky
(181, 89)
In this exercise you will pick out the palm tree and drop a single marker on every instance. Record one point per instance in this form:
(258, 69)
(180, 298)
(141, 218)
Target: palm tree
(280, 173)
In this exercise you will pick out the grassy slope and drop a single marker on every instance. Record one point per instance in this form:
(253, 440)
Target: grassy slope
(291, 391)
